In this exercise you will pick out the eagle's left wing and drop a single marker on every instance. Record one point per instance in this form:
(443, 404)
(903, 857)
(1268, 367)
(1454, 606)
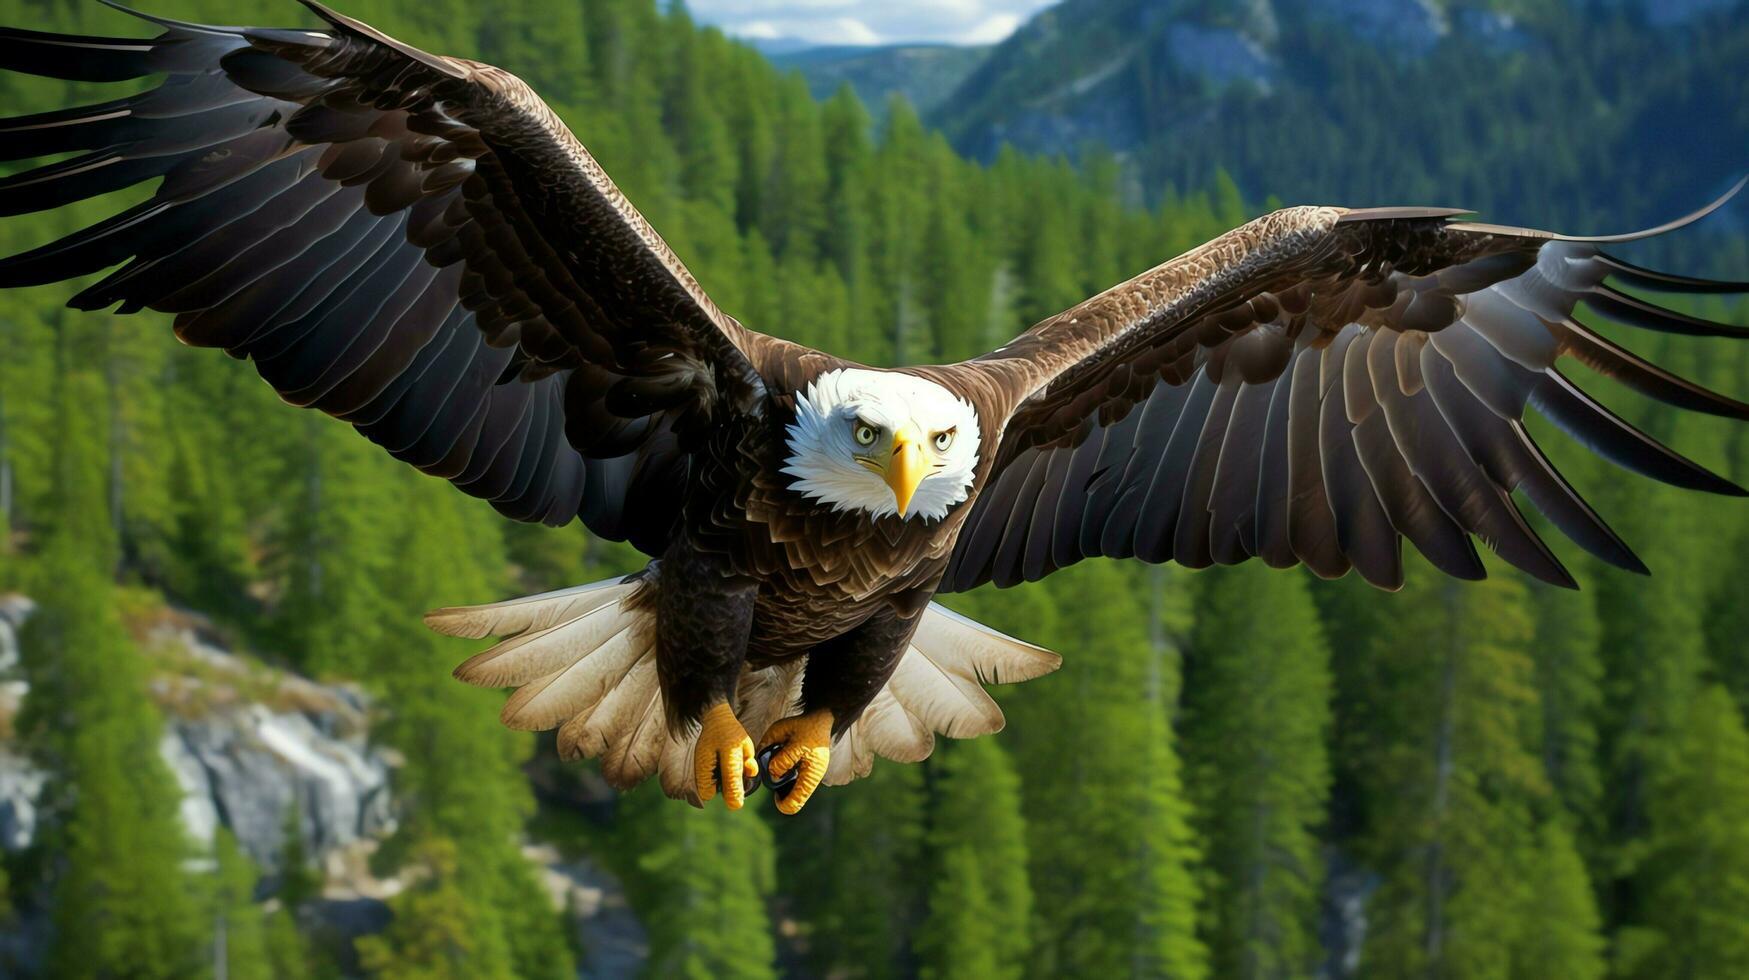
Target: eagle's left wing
(1317, 385)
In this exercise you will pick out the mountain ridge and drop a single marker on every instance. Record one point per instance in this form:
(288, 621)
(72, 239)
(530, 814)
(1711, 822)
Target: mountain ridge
(1380, 101)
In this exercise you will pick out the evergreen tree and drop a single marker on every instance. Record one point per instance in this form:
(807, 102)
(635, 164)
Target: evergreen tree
(460, 782)
(873, 892)
(1455, 785)
(702, 881)
(961, 935)
(1569, 681)
(438, 932)
(1115, 878)
(240, 929)
(1257, 713)
(1559, 927)
(980, 902)
(1696, 866)
(122, 900)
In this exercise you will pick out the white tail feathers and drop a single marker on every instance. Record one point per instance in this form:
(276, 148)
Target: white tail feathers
(937, 687)
(583, 660)
(529, 613)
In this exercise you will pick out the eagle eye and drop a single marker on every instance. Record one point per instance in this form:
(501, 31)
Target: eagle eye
(944, 440)
(865, 434)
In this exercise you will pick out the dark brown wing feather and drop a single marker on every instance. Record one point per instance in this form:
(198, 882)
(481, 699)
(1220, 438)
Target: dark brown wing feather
(409, 242)
(1320, 384)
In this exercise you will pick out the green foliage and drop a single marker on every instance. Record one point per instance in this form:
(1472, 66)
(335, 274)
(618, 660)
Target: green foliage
(1453, 785)
(702, 881)
(437, 932)
(1257, 715)
(1108, 825)
(122, 900)
(1559, 932)
(867, 892)
(1696, 870)
(461, 782)
(241, 928)
(980, 903)
(1569, 681)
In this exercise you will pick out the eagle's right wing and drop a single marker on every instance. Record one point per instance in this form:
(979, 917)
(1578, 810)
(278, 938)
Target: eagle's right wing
(412, 243)
(1318, 385)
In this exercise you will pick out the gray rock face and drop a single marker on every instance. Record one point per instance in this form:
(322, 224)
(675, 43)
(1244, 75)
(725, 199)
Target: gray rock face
(244, 764)
(21, 785)
(1342, 926)
(1406, 28)
(21, 782)
(244, 742)
(1218, 55)
(14, 610)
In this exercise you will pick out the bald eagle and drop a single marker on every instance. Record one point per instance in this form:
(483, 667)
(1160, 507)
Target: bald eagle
(417, 245)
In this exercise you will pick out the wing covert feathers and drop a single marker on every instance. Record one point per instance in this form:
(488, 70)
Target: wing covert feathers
(1320, 384)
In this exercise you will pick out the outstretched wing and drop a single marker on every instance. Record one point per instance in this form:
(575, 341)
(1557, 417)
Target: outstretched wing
(1319, 384)
(412, 243)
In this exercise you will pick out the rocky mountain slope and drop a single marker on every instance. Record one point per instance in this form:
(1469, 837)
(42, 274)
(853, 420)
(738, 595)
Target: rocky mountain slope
(250, 746)
(925, 74)
(1377, 100)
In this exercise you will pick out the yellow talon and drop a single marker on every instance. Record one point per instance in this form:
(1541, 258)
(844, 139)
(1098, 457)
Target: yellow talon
(807, 742)
(723, 747)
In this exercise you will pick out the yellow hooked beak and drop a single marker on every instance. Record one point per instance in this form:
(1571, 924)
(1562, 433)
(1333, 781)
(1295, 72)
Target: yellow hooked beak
(906, 467)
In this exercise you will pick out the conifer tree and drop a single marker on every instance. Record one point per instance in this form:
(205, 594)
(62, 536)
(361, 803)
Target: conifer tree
(1256, 717)
(980, 902)
(703, 878)
(1559, 927)
(1115, 879)
(874, 891)
(122, 900)
(1456, 782)
(961, 937)
(240, 938)
(460, 782)
(1569, 680)
(1696, 869)
(437, 932)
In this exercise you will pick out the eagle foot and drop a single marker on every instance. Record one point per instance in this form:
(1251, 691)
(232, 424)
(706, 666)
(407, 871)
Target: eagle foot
(804, 743)
(723, 750)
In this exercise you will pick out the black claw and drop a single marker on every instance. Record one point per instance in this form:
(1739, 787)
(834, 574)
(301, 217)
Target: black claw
(779, 785)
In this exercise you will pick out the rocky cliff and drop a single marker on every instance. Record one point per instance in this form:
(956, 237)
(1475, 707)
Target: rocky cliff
(252, 745)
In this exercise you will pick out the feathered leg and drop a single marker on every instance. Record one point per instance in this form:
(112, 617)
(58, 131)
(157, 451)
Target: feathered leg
(843, 675)
(702, 628)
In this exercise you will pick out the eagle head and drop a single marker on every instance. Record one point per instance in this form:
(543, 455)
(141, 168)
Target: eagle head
(883, 442)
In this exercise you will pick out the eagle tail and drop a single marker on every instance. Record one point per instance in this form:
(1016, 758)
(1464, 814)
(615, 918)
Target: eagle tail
(583, 660)
(937, 688)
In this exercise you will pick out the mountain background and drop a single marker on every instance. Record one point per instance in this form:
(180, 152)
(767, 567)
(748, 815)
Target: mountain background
(228, 748)
(1540, 112)
(924, 75)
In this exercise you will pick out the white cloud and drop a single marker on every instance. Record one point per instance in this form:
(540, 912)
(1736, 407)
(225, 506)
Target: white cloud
(759, 30)
(992, 29)
(848, 30)
(869, 21)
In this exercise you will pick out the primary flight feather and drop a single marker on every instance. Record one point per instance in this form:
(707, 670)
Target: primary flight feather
(417, 245)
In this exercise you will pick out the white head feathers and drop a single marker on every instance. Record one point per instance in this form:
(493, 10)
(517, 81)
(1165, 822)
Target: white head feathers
(853, 425)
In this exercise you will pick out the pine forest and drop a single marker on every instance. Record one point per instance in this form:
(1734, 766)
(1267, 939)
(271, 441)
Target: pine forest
(1238, 772)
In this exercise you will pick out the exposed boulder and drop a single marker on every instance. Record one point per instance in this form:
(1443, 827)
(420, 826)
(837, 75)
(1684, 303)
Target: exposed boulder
(245, 741)
(248, 744)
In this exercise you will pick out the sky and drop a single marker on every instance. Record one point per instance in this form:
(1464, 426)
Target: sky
(868, 21)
